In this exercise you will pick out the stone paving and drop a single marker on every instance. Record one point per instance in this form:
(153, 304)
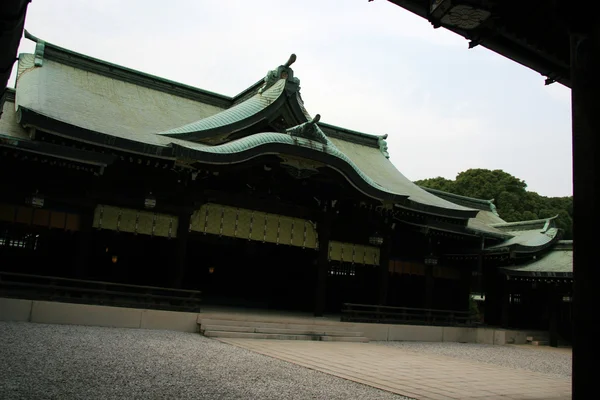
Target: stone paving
(420, 376)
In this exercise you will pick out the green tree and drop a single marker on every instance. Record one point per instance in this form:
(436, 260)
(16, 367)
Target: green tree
(512, 200)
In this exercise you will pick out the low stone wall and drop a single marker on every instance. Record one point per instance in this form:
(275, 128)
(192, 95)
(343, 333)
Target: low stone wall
(423, 333)
(47, 312)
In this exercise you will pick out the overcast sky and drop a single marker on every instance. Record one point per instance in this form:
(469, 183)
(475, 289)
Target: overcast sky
(366, 66)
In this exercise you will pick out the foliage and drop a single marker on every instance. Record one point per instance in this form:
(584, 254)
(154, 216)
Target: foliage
(512, 200)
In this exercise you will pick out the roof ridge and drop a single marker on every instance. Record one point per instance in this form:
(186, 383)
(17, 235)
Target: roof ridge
(526, 222)
(346, 130)
(458, 196)
(126, 74)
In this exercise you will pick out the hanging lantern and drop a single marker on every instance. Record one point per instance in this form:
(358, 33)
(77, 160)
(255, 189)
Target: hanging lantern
(114, 259)
(150, 201)
(431, 260)
(459, 13)
(36, 200)
(376, 239)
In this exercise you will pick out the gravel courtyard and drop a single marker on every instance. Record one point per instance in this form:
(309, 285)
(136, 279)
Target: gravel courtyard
(74, 362)
(544, 360)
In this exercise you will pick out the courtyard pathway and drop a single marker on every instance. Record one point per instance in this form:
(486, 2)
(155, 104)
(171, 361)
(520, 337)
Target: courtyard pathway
(412, 374)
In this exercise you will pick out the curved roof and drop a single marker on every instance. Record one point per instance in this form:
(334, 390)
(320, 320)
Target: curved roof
(381, 170)
(238, 117)
(111, 111)
(556, 263)
(471, 202)
(527, 236)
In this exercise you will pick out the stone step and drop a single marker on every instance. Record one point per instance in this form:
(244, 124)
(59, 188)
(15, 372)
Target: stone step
(309, 330)
(538, 336)
(267, 318)
(540, 342)
(276, 336)
(359, 339)
(340, 326)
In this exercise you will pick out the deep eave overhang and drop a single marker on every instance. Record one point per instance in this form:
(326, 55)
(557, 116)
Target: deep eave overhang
(12, 17)
(59, 152)
(495, 36)
(480, 204)
(30, 118)
(536, 274)
(33, 119)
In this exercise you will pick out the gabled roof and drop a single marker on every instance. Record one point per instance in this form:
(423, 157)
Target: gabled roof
(518, 226)
(83, 62)
(471, 202)
(484, 222)
(558, 262)
(240, 116)
(528, 236)
(85, 99)
(13, 136)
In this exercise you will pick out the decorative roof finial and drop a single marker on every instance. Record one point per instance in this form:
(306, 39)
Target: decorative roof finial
(282, 72)
(290, 61)
(309, 130)
(383, 147)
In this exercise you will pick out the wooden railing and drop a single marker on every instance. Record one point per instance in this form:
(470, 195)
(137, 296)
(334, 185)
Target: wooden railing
(405, 315)
(37, 287)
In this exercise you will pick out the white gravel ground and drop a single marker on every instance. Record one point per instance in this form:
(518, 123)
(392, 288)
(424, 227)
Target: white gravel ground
(547, 361)
(74, 362)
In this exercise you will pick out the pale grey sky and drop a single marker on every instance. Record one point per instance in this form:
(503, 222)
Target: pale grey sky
(366, 66)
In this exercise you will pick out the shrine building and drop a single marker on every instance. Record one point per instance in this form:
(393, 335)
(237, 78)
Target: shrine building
(110, 174)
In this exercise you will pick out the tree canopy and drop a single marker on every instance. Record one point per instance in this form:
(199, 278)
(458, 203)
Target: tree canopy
(513, 201)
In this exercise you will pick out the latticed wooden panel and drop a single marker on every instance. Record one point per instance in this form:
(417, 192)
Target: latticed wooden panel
(310, 235)
(134, 221)
(163, 226)
(145, 223)
(247, 224)
(110, 218)
(257, 224)
(128, 220)
(244, 218)
(212, 218)
(197, 221)
(353, 253)
(284, 230)
(271, 227)
(335, 253)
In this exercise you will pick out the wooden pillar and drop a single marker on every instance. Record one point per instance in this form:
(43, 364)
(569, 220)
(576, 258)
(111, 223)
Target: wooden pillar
(585, 64)
(384, 269)
(324, 231)
(553, 304)
(465, 288)
(429, 286)
(81, 266)
(480, 264)
(180, 259)
(491, 281)
(505, 296)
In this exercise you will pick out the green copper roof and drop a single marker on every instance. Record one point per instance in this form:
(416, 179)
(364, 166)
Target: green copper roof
(259, 139)
(238, 113)
(518, 226)
(558, 262)
(480, 204)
